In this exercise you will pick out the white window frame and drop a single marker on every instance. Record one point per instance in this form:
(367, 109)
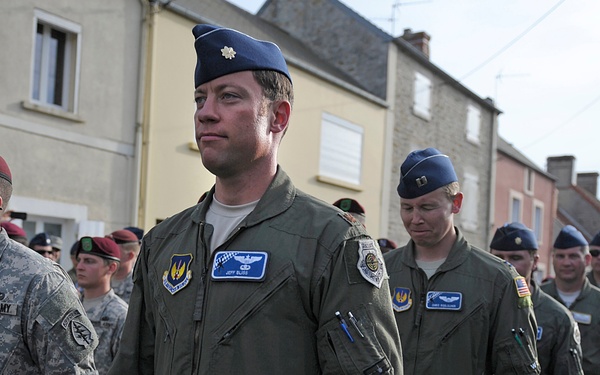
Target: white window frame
(528, 181)
(473, 124)
(341, 150)
(538, 228)
(514, 195)
(422, 96)
(469, 215)
(71, 65)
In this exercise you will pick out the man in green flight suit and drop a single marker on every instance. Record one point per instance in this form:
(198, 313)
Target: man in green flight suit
(558, 346)
(570, 257)
(459, 309)
(258, 277)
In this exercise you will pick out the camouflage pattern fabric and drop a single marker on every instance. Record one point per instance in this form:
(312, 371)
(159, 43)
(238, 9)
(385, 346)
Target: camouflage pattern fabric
(108, 318)
(43, 326)
(123, 289)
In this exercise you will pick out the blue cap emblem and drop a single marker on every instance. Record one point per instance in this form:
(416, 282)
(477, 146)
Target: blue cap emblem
(179, 274)
(401, 301)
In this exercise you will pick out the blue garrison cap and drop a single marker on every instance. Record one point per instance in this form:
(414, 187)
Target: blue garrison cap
(222, 51)
(513, 237)
(569, 237)
(424, 171)
(596, 240)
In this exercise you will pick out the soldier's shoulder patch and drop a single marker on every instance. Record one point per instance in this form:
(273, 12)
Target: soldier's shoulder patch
(370, 262)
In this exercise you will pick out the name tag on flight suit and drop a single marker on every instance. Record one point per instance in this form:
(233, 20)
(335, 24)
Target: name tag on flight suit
(240, 265)
(582, 318)
(444, 301)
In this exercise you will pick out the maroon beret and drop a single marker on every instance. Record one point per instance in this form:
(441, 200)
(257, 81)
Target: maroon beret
(13, 229)
(5, 170)
(123, 236)
(99, 246)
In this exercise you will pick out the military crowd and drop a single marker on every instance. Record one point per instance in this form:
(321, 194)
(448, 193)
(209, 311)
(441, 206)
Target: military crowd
(259, 277)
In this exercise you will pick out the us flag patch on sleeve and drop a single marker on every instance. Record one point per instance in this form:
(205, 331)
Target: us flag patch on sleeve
(522, 288)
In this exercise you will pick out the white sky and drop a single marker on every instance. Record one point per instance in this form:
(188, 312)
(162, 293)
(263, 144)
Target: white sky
(538, 59)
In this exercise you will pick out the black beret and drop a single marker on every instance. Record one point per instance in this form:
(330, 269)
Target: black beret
(569, 237)
(99, 246)
(41, 239)
(222, 51)
(596, 240)
(512, 237)
(424, 171)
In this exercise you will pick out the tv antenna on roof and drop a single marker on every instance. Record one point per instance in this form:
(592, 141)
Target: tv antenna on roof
(396, 6)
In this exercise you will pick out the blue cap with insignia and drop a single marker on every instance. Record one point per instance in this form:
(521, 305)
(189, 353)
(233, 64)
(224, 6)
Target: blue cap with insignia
(222, 51)
(513, 237)
(569, 237)
(424, 171)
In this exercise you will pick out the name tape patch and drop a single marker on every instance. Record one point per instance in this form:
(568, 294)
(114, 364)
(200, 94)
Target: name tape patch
(240, 265)
(444, 301)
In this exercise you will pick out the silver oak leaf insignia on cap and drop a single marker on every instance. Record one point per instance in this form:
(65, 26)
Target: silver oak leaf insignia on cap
(228, 52)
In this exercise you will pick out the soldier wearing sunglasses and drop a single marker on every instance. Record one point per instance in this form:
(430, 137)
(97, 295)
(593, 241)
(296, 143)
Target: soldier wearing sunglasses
(594, 274)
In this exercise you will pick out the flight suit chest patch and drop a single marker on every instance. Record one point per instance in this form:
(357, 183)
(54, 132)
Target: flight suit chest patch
(179, 274)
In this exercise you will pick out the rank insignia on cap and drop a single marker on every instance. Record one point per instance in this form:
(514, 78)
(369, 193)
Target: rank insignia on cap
(240, 265)
(228, 52)
(401, 301)
(179, 274)
(522, 288)
(421, 181)
(370, 264)
(444, 301)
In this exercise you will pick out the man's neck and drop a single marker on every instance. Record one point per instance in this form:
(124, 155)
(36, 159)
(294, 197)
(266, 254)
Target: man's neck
(234, 191)
(569, 286)
(596, 275)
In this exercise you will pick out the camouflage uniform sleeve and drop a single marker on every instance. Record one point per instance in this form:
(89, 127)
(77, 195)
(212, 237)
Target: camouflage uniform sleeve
(567, 353)
(136, 348)
(60, 336)
(514, 350)
(357, 287)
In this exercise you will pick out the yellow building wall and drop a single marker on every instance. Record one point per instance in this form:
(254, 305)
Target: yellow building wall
(176, 177)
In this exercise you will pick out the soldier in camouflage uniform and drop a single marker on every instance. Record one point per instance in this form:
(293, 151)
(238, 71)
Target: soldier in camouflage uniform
(43, 326)
(129, 245)
(98, 260)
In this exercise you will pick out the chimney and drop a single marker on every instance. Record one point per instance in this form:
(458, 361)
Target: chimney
(588, 181)
(418, 40)
(563, 168)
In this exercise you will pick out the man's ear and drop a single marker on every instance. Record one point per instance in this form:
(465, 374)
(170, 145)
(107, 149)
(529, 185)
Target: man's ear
(281, 116)
(457, 202)
(1, 203)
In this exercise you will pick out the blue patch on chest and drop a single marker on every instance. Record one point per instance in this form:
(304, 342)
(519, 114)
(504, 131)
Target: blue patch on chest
(240, 265)
(444, 301)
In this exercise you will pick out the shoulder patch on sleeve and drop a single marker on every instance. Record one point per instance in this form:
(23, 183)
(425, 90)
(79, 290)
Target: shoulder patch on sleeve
(370, 262)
